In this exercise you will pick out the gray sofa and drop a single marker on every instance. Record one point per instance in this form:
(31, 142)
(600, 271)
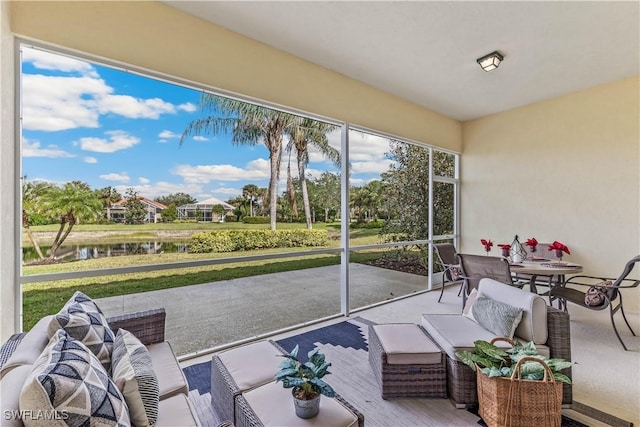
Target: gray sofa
(22, 350)
(546, 326)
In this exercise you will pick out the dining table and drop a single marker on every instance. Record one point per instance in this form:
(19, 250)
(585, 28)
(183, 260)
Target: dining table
(534, 269)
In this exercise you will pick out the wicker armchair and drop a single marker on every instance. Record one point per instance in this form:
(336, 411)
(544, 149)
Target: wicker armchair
(612, 297)
(448, 258)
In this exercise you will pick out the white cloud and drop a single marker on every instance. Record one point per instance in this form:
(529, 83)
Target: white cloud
(89, 159)
(257, 169)
(371, 167)
(142, 180)
(134, 108)
(53, 103)
(200, 138)
(188, 107)
(168, 134)
(229, 192)
(118, 140)
(118, 177)
(33, 149)
(162, 188)
(51, 61)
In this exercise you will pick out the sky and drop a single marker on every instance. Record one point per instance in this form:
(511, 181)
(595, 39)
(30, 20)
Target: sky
(108, 127)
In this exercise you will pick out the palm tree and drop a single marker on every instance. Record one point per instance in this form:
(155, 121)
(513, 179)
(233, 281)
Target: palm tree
(249, 124)
(31, 193)
(250, 192)
(74, 202)
(308, 132)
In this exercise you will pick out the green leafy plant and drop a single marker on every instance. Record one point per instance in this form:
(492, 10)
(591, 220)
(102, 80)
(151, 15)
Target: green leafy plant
(305, 378)
(497, 362)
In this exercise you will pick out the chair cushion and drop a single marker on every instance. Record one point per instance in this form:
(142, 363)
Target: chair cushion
(69, 378)
(10, 388)
(30, 346)
(252, 365)
(83, 320)
(495, 316)
(533, 326)
(406, 344)
(171, 380)
(176, 411)
(134, 376)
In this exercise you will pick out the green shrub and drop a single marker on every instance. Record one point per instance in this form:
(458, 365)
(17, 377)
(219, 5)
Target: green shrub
(370, 224)
(256, 220)
(246, 240)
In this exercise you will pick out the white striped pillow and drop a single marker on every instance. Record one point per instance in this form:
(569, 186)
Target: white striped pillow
(133, 374)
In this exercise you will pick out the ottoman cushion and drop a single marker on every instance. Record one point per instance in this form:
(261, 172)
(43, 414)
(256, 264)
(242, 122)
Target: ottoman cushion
(253, 364)
(406, 344)
(273, 405)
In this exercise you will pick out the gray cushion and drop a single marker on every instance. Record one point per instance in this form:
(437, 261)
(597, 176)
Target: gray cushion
(30, 347)
(171, 380)
(533, 326)
(495, 316)
(10, 387)
(69, 379)
(83, 320)
(133, 373)
(177, 411)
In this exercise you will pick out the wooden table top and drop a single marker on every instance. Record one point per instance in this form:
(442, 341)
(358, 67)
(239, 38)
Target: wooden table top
(545, 268)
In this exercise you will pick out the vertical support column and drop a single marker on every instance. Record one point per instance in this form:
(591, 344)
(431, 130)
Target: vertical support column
(430, 222)
(344, 220)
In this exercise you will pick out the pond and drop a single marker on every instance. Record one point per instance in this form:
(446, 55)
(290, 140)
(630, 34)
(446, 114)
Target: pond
(87, 250)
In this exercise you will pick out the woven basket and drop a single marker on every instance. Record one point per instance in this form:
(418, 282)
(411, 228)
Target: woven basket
(514, 402)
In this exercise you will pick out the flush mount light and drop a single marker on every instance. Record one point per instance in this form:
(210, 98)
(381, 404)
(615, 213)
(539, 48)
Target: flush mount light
(491, 61)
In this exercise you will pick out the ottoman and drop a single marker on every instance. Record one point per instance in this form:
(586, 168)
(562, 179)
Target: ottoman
(405, 362)
(238, 370)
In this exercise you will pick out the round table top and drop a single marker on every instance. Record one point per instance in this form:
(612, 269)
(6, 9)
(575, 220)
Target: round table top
(547, 268)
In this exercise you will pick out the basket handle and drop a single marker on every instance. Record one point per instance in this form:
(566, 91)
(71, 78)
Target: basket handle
(505, 339)
(548, 374)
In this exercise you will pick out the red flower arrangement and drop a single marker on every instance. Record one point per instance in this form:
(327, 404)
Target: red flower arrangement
(487, 244)
(532, 243)
(557, 246)
(505, 249)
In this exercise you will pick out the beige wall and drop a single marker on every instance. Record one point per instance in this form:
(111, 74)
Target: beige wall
(566, 169)
(8, 294)
(157, 37)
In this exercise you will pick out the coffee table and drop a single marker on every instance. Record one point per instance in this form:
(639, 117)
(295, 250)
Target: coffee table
(272, 405)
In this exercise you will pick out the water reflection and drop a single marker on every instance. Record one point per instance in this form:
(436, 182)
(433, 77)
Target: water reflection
(89, 251)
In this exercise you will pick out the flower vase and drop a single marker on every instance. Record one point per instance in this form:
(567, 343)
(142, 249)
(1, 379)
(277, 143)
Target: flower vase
(558, 254)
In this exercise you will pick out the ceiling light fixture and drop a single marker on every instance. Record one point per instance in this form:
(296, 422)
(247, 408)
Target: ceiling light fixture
(491, 61)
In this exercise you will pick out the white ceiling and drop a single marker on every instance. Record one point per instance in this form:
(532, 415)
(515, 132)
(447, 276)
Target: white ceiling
(426, 51)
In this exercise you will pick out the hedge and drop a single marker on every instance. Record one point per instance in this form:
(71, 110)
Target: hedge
(245, 240)
(256, 219)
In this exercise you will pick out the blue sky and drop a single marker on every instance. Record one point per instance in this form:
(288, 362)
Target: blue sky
(107, 127)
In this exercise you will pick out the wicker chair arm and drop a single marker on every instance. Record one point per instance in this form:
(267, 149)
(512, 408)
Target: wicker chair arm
(147, 326)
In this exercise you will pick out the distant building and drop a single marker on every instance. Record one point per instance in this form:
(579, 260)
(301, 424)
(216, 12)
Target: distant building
(203, 211)
(153, 209)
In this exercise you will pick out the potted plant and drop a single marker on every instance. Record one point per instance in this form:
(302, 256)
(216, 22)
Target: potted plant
(305, 379)
(514, 384)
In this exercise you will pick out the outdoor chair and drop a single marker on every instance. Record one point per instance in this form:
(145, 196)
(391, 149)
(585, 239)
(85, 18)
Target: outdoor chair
(607, 289)
(477, 267)
(448, 258)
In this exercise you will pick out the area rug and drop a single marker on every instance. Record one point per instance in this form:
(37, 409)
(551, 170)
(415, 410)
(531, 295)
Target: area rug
(345, 345)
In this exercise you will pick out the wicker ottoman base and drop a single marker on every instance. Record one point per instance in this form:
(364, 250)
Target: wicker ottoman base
(407, 380)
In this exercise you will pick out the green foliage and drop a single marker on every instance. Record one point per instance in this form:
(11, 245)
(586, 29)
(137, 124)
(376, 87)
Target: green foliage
(256, 220)
(368, 225)
(170, 214)
(135, 213)
(244, 240)
(294, 373)
(497, 362)
(177, 199)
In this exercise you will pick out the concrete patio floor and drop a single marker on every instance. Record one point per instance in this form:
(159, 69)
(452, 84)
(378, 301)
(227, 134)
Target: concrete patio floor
(201, 317)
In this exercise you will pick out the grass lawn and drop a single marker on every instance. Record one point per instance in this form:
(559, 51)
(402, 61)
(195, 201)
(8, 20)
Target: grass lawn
(44, 298)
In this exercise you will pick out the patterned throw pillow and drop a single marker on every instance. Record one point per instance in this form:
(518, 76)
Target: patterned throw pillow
(69, 387)
(134, 376)
(596, 295)
(497, 317)
(83, 320)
